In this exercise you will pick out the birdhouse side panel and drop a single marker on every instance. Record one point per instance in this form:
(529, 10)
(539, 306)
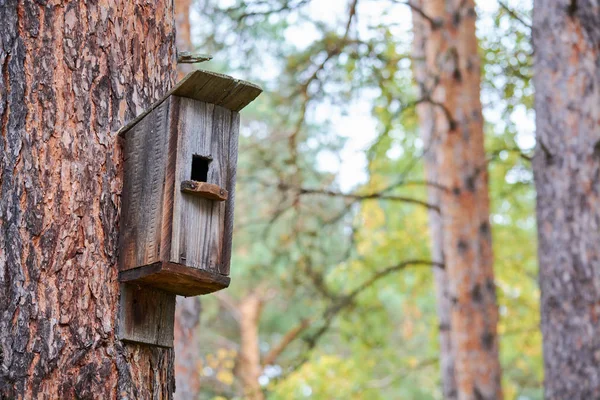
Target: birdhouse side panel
(202, 156)
(145, 156)
(230, 186)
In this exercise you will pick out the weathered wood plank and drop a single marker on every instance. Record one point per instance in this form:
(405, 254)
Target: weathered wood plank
(198, 223)
(146, 315)
(145, 152)
(205, 190)
(176, 278)
(209, 87)
(232, 158)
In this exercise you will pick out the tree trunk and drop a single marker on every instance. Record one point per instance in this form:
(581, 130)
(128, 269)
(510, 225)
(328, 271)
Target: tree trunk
(567, 172)
(187, 313)
(248, 368)
(72, 74)
(427, 127)
(451, 88)
(188, 362)
(184, 33)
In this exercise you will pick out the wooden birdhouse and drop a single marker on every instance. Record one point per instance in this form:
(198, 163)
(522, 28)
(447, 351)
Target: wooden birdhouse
(179, 183)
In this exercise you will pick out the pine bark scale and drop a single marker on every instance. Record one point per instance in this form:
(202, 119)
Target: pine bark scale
(71, 74)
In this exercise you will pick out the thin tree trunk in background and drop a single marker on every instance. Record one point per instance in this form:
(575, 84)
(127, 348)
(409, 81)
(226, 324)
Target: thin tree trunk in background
(452, 89)
(187, 313)
(567, 177)
(248, 366)
(427, 127)
(184, 33)
(72, 74)
(188, 363)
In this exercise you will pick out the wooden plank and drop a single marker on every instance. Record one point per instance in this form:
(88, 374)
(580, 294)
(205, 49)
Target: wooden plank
(176, 278)
(198, 223)
(205, 190)
(169, 192)
(219, 89)
(145, 153)
(146, 315)
(209, 87)
(232, 158)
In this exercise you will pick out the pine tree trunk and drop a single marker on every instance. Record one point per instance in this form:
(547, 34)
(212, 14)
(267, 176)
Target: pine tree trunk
(72, 74)
(187, 313)
(567, 178)
(427, 127)
(456, 143)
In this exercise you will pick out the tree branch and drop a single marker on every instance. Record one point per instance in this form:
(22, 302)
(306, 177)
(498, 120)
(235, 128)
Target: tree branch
(360, 197)
(435, 23)
(345, 301)
(288, 338)
(513, 14)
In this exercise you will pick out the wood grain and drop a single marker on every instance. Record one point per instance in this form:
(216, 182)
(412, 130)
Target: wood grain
(204, 190)
(209, 87)
(146, 315)
(176, 278)
(198, 223)
(145, 148)
(230, 186)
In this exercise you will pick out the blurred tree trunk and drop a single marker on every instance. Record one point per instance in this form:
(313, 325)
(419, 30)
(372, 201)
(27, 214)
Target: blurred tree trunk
(248, 366)
(184, 33)
(188, 361)
(567, 172)
(426, 114)
(72, 74)
(453, 123)
(187, 313)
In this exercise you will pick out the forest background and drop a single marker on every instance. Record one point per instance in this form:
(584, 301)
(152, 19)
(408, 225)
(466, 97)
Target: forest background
(332, 290)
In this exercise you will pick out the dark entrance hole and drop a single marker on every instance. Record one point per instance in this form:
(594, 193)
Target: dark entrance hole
(200, 168)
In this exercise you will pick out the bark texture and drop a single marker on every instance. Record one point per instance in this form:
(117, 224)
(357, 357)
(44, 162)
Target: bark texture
(71, 74)
(187, 313)
(453, 125)
(427, 126)
(567, 177)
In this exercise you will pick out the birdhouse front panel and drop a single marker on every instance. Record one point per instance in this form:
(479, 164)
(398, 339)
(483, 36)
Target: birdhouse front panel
(207, 133)
(180, 161)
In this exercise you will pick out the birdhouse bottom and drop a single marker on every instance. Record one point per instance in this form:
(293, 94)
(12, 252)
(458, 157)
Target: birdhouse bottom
(176, 278)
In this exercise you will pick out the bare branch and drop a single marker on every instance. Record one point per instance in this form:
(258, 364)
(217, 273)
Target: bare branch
(288, 338)
(513, 14)
(435, 23)
(229, 304)
(345, 301)
(359, 197)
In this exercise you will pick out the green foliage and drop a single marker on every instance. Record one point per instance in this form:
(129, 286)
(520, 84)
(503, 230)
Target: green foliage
(314, 249)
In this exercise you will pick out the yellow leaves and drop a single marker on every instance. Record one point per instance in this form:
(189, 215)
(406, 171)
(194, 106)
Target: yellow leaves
(413, 362)
(326, 377)
(221, 364)
(225, 377)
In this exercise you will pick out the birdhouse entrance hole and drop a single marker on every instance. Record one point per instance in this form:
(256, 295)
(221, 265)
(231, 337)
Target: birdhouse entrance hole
(200, 168)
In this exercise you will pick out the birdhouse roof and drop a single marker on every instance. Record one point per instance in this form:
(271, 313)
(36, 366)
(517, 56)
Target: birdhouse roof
(209, 87)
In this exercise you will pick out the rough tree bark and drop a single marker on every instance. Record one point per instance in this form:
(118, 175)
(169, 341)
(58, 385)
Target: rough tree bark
(567, 177)
(72, 72)
(187, 312)
(450, 85)
(427, 127)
